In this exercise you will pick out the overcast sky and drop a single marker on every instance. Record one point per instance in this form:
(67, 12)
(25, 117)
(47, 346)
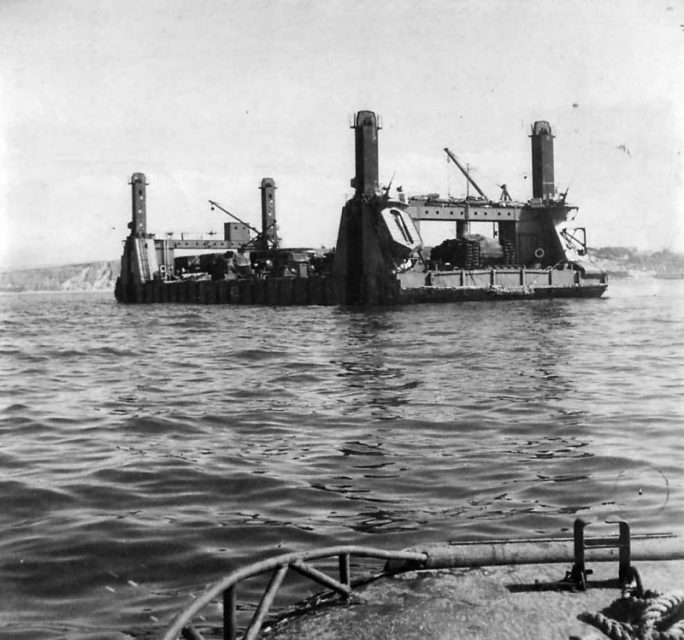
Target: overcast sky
(206, 97)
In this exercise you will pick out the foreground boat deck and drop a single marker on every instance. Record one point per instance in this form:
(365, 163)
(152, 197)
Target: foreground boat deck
(492, 603)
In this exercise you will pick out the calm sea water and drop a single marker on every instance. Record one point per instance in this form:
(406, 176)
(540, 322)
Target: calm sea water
(148, 450)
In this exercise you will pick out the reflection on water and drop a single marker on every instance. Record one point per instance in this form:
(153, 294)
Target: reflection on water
(149, 450)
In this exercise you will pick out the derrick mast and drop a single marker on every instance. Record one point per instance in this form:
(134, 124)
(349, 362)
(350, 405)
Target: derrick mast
(543, 186)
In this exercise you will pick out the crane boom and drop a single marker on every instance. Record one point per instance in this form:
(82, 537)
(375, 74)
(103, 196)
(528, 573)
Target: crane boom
(454, 159)
(232, 215)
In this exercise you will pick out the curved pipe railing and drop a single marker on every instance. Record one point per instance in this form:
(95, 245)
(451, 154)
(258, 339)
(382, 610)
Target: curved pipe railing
(279, 565)
(647, 547)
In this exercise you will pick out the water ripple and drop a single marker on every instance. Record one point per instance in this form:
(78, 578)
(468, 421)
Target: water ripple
(149, 450)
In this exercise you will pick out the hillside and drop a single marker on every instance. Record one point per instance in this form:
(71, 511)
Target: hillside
(101, 276)
(628, 261)
(91, 276)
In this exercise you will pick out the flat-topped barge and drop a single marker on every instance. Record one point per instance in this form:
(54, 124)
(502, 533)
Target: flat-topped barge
(380, 257)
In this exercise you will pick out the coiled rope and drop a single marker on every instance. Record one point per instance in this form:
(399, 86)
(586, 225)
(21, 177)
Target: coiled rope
(653, 617)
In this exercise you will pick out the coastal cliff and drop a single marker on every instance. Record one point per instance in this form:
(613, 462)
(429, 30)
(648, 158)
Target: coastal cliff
(91, 276)
(101, 276)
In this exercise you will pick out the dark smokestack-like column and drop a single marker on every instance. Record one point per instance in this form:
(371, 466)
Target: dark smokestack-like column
(366, 138)
(269, 236)
(138, 223)
(543, 185)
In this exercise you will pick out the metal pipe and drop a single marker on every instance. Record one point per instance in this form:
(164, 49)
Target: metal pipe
(190, 633)
(345, 573)
(230, 614)
(540, 552)
(321, 578)
(265, 604)
(625, 545)
(578, 544)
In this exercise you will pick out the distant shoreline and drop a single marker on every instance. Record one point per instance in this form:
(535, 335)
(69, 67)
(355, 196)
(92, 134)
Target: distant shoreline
(4, 292)
(617, 262)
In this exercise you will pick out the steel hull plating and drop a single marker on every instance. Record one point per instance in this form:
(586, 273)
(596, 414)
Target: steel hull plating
(433, 294)
(322, 291)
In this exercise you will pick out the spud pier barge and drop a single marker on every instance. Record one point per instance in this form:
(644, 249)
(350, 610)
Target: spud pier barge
(380, 257)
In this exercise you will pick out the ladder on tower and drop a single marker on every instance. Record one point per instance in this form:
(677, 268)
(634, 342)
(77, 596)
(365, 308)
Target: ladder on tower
(143, 261)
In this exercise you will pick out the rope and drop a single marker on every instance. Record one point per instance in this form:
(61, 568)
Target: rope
(653, 617)
(612, 628)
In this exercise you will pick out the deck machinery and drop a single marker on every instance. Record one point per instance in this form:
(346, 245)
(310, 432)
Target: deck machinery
(380, 257)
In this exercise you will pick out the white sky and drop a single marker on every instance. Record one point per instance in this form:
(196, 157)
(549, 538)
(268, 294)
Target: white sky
(206, 97)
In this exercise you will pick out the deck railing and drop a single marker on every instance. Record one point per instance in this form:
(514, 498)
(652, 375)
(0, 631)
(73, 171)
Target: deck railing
(622, 548)
(226, 589)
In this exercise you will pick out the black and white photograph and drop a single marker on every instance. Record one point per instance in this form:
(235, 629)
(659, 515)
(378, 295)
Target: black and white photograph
(341, 319)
